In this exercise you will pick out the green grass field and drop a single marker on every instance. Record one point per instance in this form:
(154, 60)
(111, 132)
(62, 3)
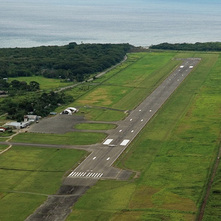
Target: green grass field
(213, 208)
(45, 83)
(126, 86)
(3, 147)
(174, 155)
(71, 138)
(95, 126)
(28, 175)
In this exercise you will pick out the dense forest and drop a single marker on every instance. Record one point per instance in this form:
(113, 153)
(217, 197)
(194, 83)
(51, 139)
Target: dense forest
(208, 46)
(72, 62)
(17, 87)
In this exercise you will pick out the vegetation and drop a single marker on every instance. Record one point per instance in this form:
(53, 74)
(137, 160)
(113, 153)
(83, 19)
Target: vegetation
(95, 126)
(126, 86)
(16, 86)
(70, 62)
(174, 155)
(46, 84)
(40, 105)
(71, 138)
(213, 208)
(28, 175)
(208, 46)
(67, 63)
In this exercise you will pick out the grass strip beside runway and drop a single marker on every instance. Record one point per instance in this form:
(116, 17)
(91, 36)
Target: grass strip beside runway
(28, 175)
(174, 155)
(71, 138)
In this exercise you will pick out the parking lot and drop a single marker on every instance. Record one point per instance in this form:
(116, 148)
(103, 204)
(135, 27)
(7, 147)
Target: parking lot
(58, 124)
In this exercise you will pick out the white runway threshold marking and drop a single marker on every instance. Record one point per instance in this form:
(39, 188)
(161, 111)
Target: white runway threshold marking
(85, 175)
(108, 141)
(124, 142)
(190, 66)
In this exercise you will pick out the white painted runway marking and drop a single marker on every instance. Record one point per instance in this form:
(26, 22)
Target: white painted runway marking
(124, 142)
(94, 158)
(181, 66)
(88, 175)
(190, 66)
(108, 141)
(120, 130)
(150, 110)
(71, 173)
(108, 158)
(139, 110)
(132, 131)
(142, 120)
(131, 119)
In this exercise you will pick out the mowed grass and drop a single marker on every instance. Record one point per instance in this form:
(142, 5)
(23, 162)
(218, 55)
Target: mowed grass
(71, 138)
(95, 126)
(28, 175)
(129, 84)
(3, 147)
(45, 83)
(213, 208)
(101, 114)
(174, 155)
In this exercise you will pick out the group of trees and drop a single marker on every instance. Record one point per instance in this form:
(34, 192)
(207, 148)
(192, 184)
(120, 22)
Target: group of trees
(72, 62)
(208, 46)
(40, 104)
(17, 86)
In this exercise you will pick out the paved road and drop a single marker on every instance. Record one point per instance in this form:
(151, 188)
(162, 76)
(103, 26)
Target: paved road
(98, 164)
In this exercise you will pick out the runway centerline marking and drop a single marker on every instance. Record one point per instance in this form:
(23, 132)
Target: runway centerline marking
(94, 158)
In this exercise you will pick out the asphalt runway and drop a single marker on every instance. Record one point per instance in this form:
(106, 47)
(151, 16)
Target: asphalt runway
(98, 165)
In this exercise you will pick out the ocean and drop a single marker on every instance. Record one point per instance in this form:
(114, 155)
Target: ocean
(29, 23)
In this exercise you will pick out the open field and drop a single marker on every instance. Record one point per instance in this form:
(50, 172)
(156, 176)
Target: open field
(213, 208)
(71, 138)
(94, 126)
(29, 175)
(45, 83)
(128, 84)
(3, 147)
(174, 155)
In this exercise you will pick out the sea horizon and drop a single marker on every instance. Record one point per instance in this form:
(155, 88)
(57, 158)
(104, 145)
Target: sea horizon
(140, 23)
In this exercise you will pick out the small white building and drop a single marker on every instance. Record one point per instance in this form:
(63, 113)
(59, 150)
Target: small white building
(31, 118)
(69, 110)
(17, 125)
(2, 129)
